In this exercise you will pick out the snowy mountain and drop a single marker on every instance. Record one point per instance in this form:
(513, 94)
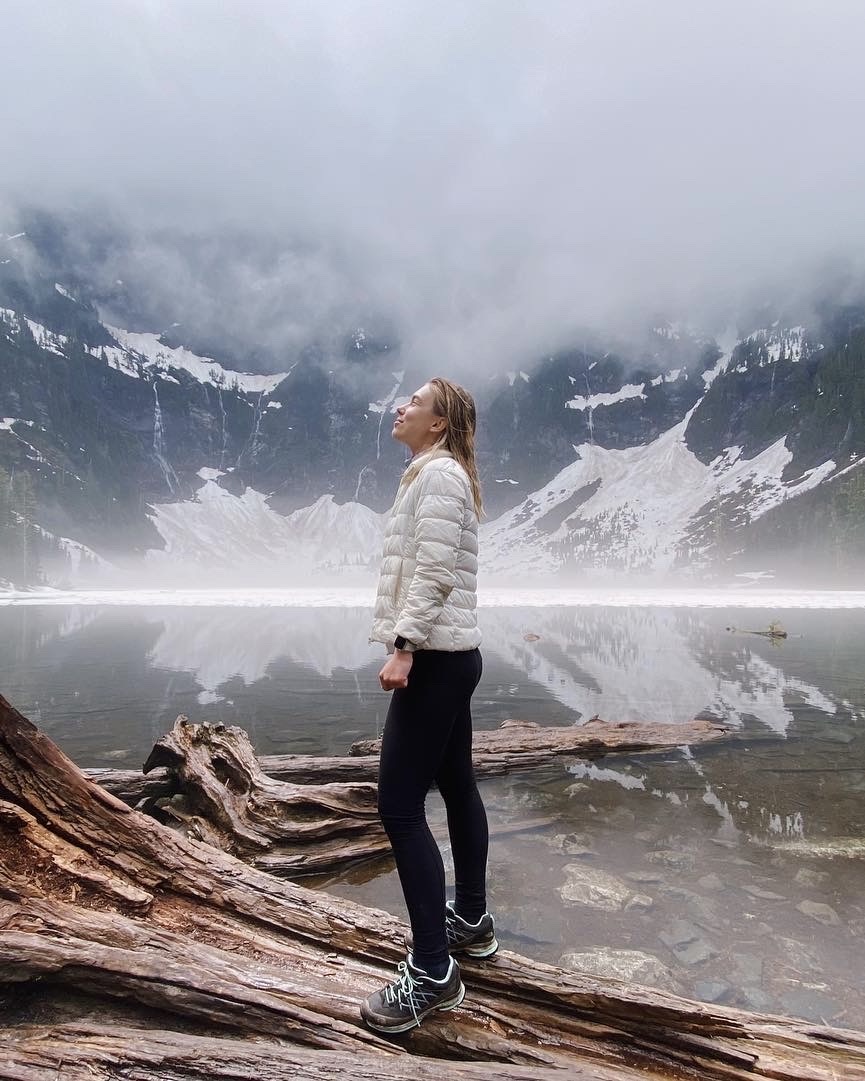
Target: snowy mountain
(778, 418)
(244, 539)
(646, 509)
(127, 453)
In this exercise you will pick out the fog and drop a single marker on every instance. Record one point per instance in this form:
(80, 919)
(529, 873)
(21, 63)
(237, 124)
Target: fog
(478, 181)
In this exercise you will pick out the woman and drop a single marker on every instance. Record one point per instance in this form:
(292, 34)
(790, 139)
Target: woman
(425, 614)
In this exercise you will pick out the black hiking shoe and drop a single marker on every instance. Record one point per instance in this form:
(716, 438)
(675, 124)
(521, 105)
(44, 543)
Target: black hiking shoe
(413, 994)
(473, 939)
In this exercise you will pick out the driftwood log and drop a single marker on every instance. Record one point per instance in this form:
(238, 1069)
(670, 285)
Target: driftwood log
(222, 797)
(94, 1052)
(523, 744)
(183, 962)
(516, 745)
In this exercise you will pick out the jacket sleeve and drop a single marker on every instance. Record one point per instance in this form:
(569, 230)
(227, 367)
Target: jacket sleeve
(438, 523)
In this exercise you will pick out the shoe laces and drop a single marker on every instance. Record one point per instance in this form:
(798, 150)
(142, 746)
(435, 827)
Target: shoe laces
(452, 930)
(401, 992)
(456, 928)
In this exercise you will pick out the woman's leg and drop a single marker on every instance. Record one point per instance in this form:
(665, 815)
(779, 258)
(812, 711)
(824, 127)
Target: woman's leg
(467, 819)
(416, 737)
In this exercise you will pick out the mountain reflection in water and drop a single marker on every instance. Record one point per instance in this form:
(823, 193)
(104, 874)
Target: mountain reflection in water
(732, 872)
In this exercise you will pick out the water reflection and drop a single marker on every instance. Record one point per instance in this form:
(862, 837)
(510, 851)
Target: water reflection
(731, 872)
(620, 664)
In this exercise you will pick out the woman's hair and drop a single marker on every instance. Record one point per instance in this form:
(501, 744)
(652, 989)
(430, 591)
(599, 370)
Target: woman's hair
(457, 406)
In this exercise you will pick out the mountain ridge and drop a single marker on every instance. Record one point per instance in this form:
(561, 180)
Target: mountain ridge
(675, 460)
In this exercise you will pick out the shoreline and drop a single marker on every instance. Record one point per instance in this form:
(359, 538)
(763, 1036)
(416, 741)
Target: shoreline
(492, 597)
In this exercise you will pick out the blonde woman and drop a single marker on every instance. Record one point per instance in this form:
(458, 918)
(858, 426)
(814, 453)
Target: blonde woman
(425, 615)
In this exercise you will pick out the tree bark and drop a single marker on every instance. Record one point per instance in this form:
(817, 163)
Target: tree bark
(94, 1052)
(105, 901)
(223, 797)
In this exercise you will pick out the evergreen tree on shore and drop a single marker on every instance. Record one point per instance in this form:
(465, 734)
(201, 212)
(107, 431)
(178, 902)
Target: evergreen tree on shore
(19, 535)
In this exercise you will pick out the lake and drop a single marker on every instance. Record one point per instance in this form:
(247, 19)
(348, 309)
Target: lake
(731, 873)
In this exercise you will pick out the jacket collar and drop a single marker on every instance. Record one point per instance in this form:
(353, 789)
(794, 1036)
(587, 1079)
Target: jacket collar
(420, 460)
(416, 464)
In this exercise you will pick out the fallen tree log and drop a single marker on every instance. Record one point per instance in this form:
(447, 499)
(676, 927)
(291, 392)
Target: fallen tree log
(93, 1052)
(523, 744)
(222, 797)
(516, 745)
(105, 901)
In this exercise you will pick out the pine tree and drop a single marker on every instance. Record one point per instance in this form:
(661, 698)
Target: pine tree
(22, 532)
(6, 536)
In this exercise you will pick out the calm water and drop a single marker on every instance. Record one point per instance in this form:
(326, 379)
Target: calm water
(733, 873)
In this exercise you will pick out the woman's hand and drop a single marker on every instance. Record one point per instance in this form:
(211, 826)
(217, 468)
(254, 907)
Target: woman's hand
(396, 670)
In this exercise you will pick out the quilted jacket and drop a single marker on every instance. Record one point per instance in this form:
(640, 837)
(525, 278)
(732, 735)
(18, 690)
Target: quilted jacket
(427, 590)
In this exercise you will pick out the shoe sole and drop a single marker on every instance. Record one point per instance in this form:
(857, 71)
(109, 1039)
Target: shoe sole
(477, 952)
(450, 1004)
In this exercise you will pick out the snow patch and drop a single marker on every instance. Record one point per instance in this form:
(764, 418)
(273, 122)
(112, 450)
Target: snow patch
(671, 331)
(386, 403)
(670, 377)
(721, 365)
(204, 369)
(389, 403)
(594, 401)
(785, 343)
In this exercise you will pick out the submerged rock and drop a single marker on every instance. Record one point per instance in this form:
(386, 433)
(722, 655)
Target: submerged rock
(755, 998)
(671, 857)
(807, 876)
(572, 844)
(595, 889)
(760, 893)
(713, 991)
(650, 878)
(797, 958)
(687, 943)
(836, 847)
(820, 912)
(749, 968)
(810, 1004)
(631, 965)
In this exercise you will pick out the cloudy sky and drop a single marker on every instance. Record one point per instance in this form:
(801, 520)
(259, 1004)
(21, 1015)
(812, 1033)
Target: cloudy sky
(488, 175)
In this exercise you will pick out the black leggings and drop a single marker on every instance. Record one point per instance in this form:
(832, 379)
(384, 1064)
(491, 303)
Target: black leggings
(428, 738)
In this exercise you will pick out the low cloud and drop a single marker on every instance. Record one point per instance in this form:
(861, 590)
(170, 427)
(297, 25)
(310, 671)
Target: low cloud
(482, 179)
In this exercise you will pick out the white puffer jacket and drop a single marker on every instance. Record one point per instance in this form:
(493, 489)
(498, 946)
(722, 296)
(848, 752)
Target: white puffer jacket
(427, 591)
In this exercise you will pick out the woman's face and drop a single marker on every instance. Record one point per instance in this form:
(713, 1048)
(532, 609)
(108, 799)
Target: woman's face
(417, 425)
